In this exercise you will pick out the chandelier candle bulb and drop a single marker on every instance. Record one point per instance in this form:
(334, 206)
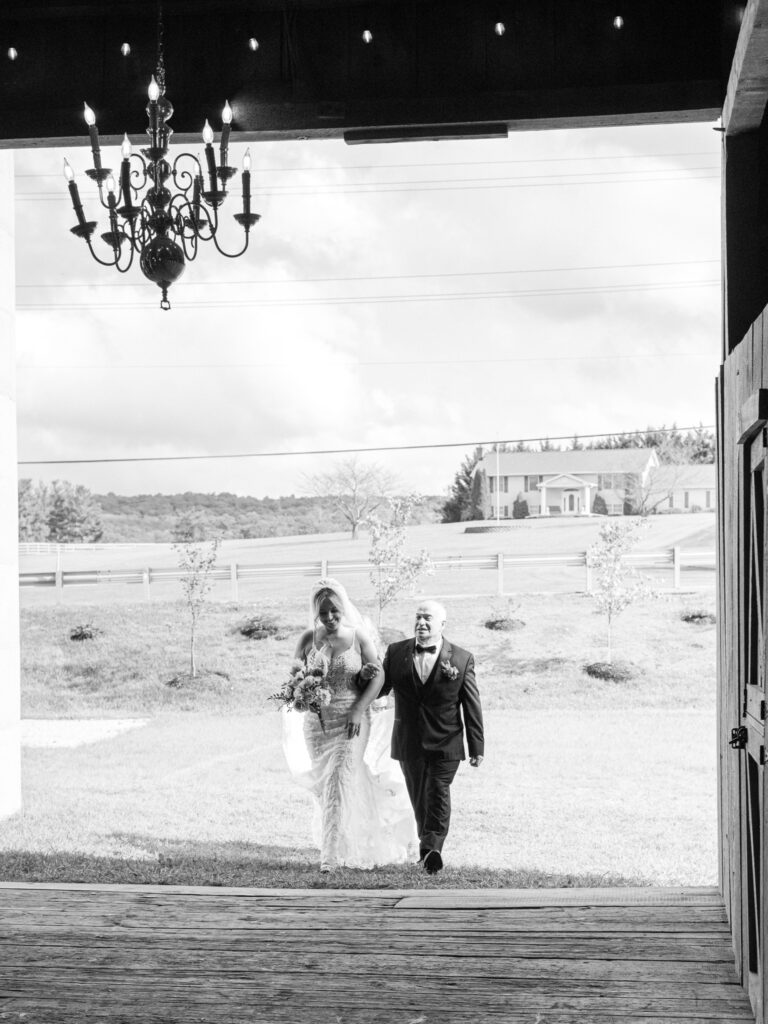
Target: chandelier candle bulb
(125, 173)
(210, 157)
(226, 119)
(93, 131)
(247, 183)
(77, 206)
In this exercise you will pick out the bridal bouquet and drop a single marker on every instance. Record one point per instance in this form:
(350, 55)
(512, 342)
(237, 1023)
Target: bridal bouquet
(304, 690)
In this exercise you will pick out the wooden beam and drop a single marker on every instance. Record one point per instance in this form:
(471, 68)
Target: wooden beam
(747, 92)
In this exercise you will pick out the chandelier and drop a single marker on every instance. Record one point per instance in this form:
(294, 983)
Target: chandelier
(160, 211)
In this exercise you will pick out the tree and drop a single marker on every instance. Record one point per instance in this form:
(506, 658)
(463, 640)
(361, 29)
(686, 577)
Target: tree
(33, 511)
(547, 446)
(73, 515)
(643, 497)
(392, 571)
(700, 445)
(575, 445)
(480, 498)
(599, 506)
(520, 507)
(615, 585)
(191, 526)
(354, 488)
(196, 562)
(456, 508)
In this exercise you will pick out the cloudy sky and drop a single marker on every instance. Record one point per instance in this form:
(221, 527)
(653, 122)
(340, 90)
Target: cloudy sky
(417, 294)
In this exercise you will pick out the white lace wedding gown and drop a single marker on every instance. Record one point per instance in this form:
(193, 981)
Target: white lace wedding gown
(363, 816)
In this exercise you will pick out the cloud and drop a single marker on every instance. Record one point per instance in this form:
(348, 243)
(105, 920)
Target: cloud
(361, 314)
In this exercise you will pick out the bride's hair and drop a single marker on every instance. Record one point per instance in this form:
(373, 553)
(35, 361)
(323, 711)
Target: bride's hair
(331, 588)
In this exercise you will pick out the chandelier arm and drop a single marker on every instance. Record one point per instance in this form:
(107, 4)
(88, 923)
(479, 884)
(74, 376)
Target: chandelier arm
(104, 263)
(128, 264)
(203, 224)
(104, 203)
(182, 178)
(232, 255)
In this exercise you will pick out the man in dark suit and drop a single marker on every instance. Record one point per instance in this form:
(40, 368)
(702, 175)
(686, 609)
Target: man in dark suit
(433, 682)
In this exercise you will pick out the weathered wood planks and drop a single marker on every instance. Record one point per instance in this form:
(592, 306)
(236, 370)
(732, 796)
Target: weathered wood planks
(152, 956)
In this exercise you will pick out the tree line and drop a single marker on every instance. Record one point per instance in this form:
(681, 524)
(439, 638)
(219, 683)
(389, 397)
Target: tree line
(67, 513)
(468, 497)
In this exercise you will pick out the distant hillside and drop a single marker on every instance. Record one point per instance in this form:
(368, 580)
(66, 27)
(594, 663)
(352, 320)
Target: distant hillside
(151, 517)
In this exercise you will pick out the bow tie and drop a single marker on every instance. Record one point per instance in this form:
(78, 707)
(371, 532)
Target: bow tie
(426, 650)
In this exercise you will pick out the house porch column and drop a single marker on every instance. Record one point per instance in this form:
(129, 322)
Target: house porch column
(544, 510)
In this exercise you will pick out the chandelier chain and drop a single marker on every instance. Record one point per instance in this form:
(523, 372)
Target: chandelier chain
(160, 71)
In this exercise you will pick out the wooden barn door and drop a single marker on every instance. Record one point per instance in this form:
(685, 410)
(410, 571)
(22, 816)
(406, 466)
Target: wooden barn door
(749, 736)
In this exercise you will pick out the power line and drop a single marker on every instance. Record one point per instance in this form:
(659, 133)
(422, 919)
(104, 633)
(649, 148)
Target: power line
(452, 163)
(356, 300)
(288, 189)
(393, 188)
(121, 283)
(355, 451)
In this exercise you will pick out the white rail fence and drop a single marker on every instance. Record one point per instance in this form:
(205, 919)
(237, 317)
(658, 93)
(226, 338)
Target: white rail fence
(496, 573)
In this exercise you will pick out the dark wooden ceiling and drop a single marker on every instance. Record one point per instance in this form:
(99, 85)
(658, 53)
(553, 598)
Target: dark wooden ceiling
(434, 67)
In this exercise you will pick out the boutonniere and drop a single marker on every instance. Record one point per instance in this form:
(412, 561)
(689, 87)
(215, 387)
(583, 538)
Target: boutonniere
(449, 670)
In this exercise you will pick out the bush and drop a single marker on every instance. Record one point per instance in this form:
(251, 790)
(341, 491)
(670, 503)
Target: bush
(599, 506)
(520, 508)
(699, 617)
(85, 632)
(259, 627)
(504, 625)
(615, 671)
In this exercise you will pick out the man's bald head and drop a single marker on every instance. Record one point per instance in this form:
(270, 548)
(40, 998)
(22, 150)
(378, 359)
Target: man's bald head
(430, 622)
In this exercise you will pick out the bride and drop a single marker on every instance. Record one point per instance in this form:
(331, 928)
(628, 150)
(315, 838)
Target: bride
(363, 815)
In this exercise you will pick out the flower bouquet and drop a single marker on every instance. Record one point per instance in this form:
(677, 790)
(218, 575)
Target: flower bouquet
(304, 690)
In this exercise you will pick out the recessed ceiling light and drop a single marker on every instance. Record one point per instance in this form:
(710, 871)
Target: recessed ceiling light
(499, 28)
(13, 53)
(367, 36)
(618, 21)
(125, 49)
(253, 44)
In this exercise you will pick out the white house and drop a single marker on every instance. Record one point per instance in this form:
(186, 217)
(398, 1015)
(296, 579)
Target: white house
(568, 482)
(686, 488)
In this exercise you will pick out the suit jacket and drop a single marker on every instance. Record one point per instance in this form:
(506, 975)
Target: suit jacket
(428, 716)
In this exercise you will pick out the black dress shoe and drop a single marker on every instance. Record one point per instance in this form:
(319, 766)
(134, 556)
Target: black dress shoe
(433, 862)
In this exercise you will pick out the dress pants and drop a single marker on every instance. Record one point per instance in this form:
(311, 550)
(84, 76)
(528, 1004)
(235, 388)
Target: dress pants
(428, 779)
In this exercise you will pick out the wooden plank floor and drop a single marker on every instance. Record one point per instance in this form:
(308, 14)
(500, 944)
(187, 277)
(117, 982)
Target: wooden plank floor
(151, 954)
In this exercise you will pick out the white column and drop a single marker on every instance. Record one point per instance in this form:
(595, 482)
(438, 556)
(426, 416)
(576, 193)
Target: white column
(587, 509)
(10, 716)
(543, 491)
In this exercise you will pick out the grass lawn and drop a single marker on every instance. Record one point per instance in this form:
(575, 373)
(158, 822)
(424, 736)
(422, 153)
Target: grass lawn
(562, 799)
(586, 782)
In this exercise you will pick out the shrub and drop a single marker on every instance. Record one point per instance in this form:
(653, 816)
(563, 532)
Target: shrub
(599, 506)
(504, 625)
(502, 618)
(85, 632)
(615, 671)
(259, 627)
(699, 617)
(520, 508)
